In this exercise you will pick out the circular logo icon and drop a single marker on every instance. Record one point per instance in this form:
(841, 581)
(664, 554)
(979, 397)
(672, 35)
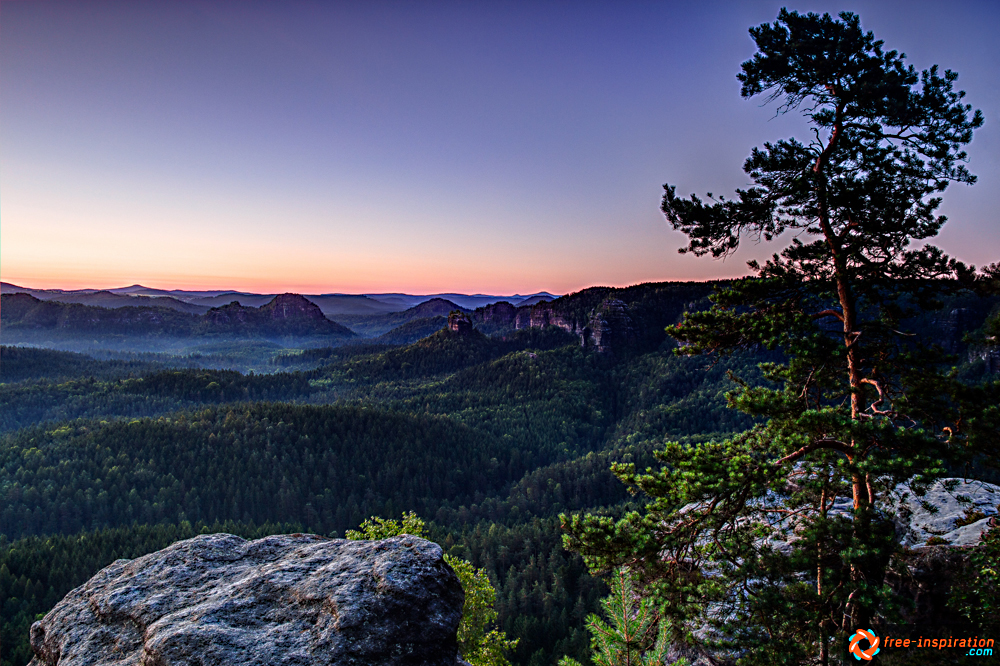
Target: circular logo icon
(855, 646)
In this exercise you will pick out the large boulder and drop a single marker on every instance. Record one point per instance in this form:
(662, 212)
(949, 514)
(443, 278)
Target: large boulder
(218, 600)
(951, 512)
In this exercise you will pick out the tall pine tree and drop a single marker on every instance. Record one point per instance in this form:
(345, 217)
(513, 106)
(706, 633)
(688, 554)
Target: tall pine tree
(745, 539)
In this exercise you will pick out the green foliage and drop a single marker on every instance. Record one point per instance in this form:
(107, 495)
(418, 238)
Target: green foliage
(492, 437)
(445, 351)
(376, 528)
(326, 467)
(976, 592)
(26, 403)
(479, 645)
(635, 636)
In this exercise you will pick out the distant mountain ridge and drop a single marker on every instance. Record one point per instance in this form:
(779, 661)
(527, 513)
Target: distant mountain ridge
(106, 299)
(463, 300)
(199, 302)
(603, 318)
(26, 318)
(381, 324)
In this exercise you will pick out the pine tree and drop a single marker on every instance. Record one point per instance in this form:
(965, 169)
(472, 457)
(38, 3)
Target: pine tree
(634, 637)
(743, 535)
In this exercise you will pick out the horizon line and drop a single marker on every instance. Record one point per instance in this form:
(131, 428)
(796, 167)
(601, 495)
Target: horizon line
(22, 285)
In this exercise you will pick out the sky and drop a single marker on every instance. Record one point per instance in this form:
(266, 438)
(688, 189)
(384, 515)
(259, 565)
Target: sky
(422, 147)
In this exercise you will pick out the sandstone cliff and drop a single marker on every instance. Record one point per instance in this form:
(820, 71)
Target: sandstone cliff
(218, 600)
(605, 319)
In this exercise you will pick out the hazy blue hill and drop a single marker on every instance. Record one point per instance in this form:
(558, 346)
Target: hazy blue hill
(413, 331)
(532, 300)
(106, 299)
(474, 301)
(246, 300)
(468, 301)
(286, 317)
(372, 326)
(25, 315)
(334, 305)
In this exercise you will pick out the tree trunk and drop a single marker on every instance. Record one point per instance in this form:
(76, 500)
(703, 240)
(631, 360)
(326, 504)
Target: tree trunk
(861, 572)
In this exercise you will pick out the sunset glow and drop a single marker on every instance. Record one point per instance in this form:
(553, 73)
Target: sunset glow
(421, 148)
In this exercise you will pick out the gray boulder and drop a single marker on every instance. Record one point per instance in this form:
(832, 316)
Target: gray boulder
(954, 511)
(218, 600)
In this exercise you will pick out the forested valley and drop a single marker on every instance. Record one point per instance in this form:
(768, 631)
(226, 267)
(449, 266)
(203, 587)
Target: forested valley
(488, 433)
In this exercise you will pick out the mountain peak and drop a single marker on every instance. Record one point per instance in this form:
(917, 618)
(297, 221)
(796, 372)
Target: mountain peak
(292, 306)
(435, 307)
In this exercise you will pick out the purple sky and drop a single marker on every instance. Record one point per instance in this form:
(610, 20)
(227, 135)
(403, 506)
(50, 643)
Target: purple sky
(492, 147)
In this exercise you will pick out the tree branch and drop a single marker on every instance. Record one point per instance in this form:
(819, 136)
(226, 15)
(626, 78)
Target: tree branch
(833, 444)
(828, 313)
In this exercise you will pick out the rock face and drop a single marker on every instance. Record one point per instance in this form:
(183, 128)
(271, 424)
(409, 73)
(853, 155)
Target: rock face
(610, 327)
(459, 322)
(218, 600)
(953, 512)
(606, 328)
(950, 512)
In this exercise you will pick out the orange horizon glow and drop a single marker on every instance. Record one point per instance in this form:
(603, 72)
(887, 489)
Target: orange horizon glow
(257, 286)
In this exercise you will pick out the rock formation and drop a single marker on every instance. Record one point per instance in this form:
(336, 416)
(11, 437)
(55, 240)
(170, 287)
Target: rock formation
(459, 322)
(610, 327)
(218, 600)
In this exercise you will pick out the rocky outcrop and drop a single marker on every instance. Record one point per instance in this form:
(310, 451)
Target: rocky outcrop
(292, 307)
(949, 512)
(459, 322)
(952, 512)
(610, 327)
(936, 528)
(218, 600)
(543, 314)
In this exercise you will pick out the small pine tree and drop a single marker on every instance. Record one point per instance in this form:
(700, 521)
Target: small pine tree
(635, 636)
